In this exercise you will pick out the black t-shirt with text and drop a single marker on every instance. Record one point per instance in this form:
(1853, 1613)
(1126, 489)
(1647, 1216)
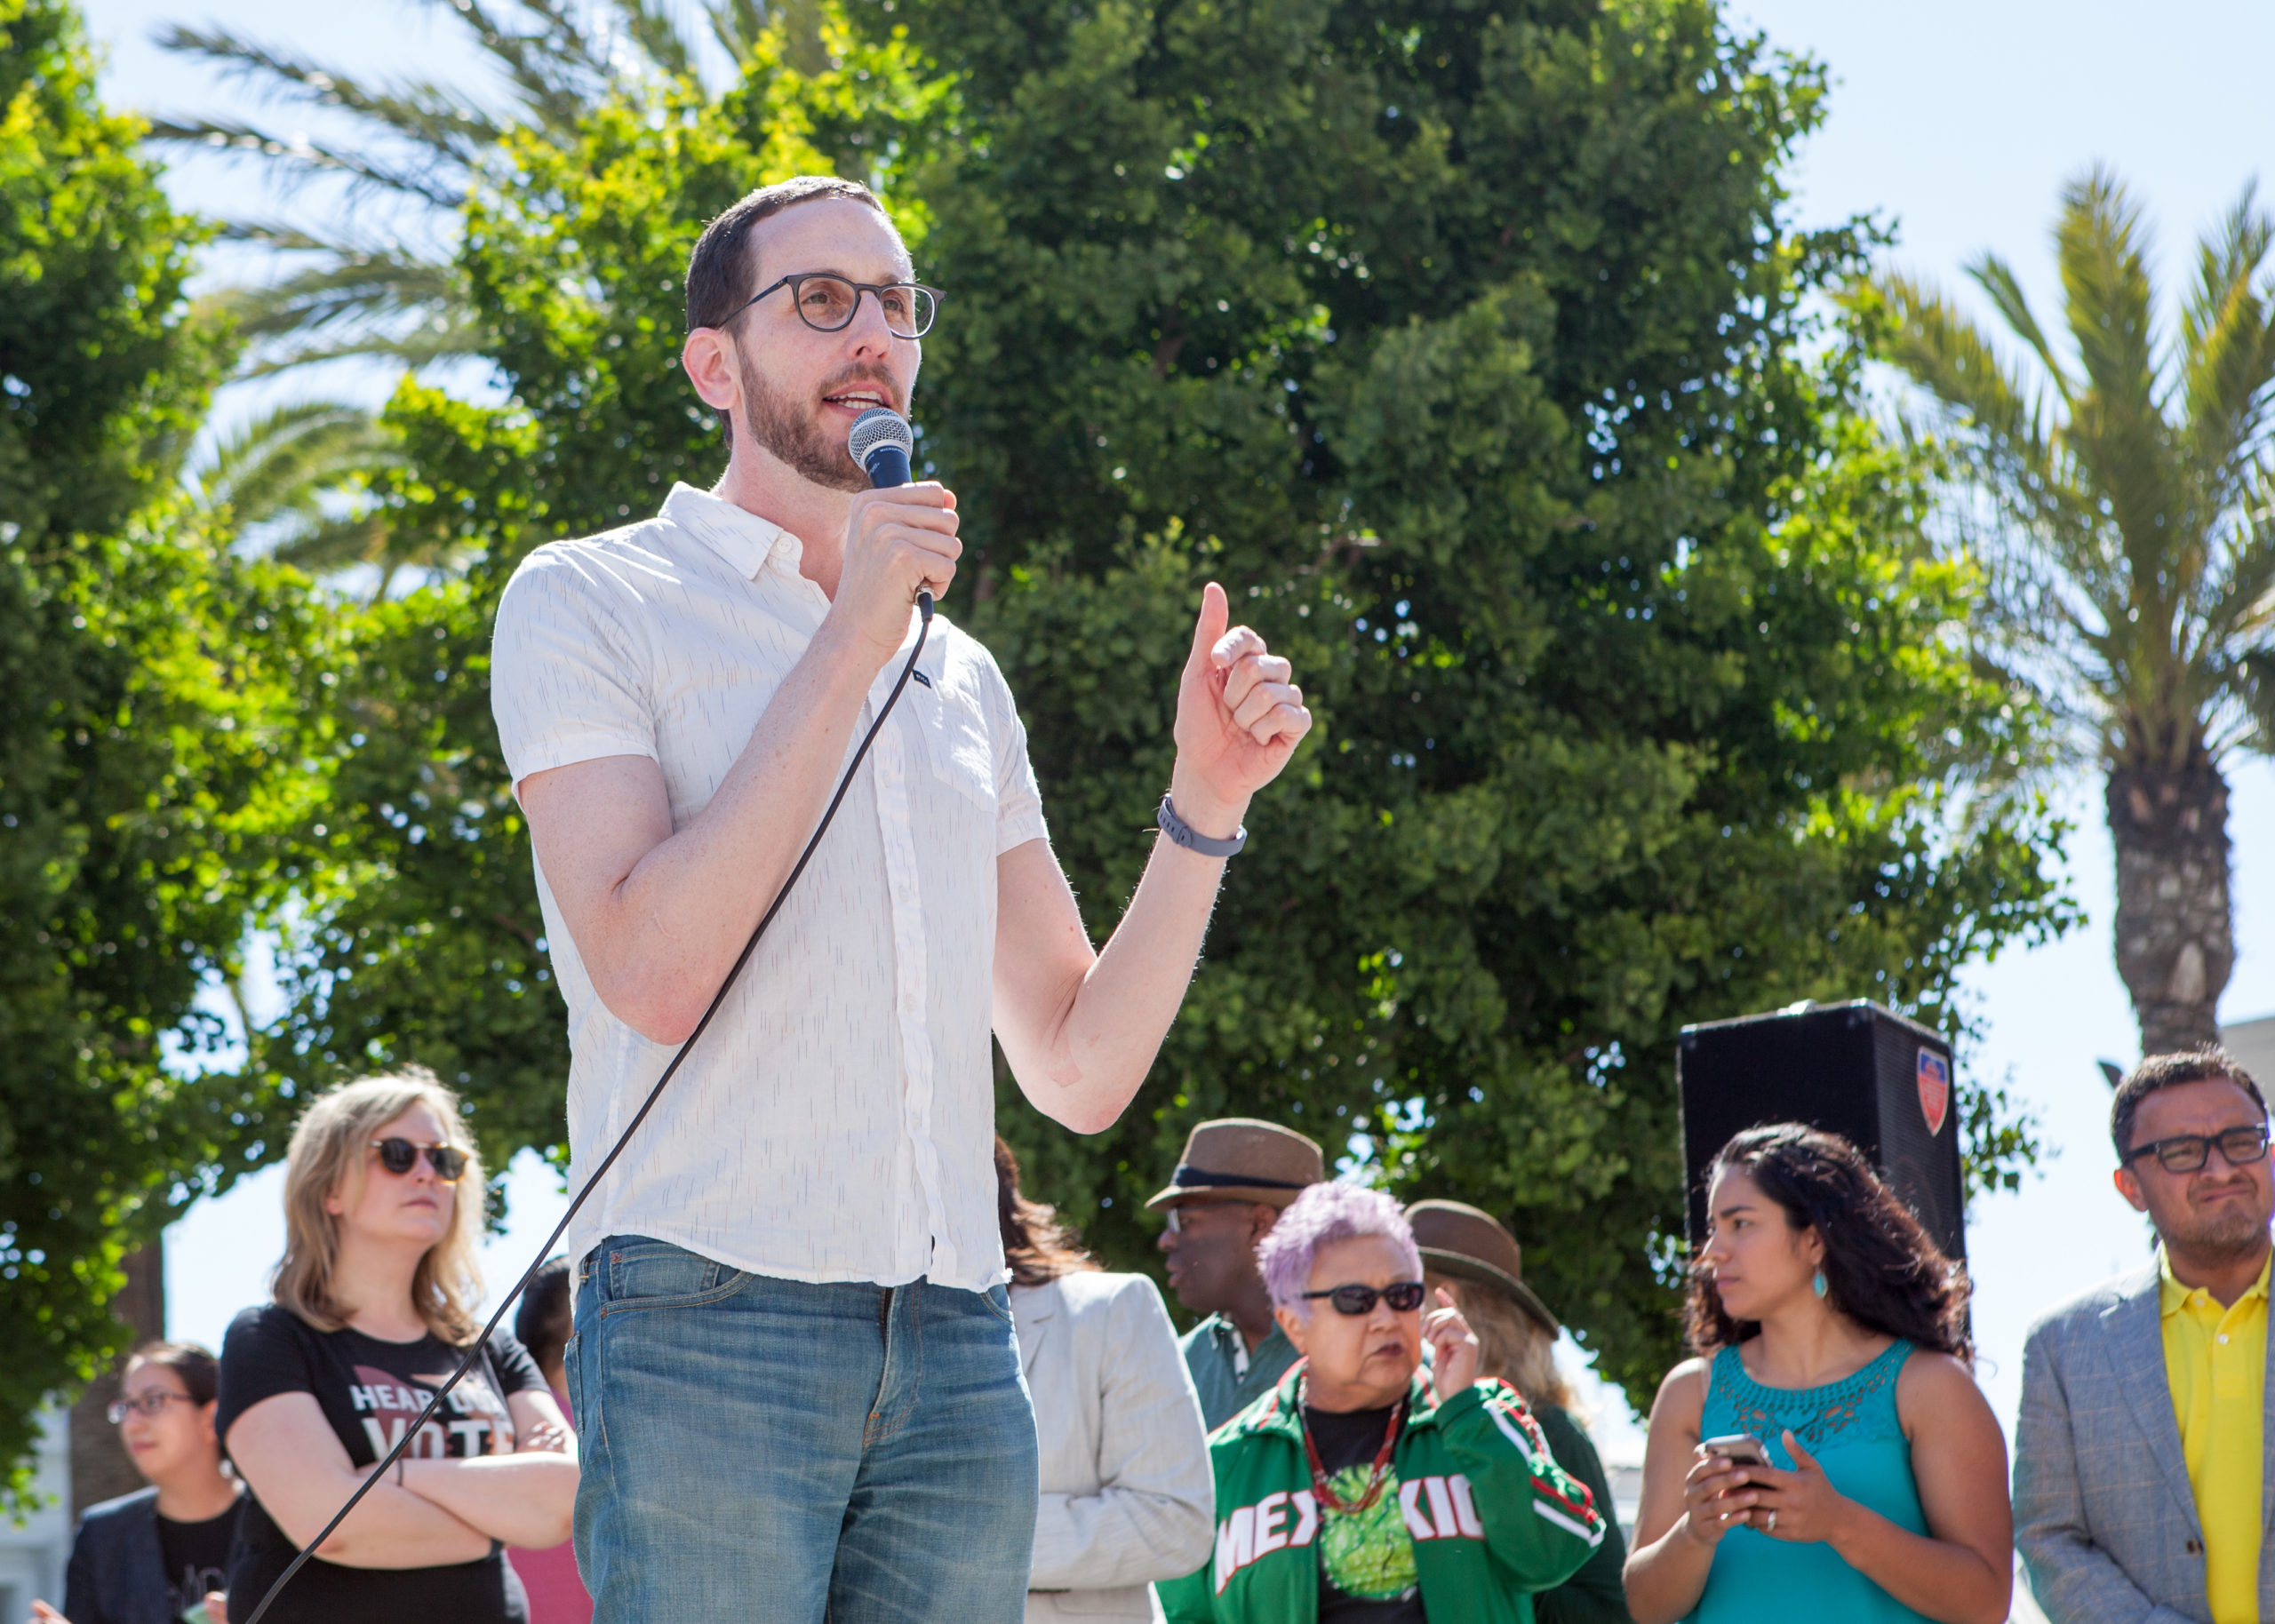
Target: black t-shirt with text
(370, 1390)
(196, 1556)
(1365, 1558)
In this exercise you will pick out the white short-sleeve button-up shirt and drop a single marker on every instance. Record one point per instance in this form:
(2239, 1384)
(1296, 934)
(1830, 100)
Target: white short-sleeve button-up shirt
(837, 1122)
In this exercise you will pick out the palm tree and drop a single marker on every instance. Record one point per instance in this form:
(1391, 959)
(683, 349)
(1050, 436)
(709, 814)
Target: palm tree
(349, 291)
(2118, 491)
(292, 483)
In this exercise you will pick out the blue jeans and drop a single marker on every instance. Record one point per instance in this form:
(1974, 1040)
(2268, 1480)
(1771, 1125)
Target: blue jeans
(757, 1448)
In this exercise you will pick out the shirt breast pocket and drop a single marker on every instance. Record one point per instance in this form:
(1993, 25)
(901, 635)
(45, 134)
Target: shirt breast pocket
(956, 738)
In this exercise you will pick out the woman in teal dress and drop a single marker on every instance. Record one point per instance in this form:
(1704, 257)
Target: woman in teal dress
(1830, 1330)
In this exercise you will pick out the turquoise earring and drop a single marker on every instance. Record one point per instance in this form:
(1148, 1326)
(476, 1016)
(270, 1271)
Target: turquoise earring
(1816, 1283)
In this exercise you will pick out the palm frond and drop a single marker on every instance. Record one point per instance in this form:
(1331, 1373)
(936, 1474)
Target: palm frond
(294, 160)
(352, 288)
(287, 463)
(437, 118)
(1953, 358)
(2118, 430)
(556, 73)
(335, 544)
(1998, 280)
(429, 344)
(2227, 354)
(650, 25)
(735, 25)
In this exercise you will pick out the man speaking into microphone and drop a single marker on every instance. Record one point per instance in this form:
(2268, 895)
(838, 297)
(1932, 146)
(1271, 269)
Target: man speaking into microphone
(793, 1369)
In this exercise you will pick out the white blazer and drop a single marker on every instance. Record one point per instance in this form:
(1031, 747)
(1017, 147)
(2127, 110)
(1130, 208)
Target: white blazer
(1127, 1492)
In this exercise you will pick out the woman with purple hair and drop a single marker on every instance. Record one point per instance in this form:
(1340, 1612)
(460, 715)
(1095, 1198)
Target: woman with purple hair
(1364, 1488)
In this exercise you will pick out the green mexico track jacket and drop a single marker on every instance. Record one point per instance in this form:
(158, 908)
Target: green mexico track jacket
(1492, 1515)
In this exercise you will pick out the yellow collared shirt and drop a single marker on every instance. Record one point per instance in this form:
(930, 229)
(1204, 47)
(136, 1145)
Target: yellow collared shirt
(2215, 1362)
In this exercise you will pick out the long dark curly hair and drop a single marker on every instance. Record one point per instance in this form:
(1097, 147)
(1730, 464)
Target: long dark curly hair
(1881, 1269)
(1036, 1244)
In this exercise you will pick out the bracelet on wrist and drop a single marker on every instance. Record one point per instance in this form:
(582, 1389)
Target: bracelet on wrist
(1185, 834)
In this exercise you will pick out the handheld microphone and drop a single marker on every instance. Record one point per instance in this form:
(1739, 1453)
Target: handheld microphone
(880, 441)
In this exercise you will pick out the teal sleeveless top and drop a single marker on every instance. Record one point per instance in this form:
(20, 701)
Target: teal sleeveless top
(1851, 1426)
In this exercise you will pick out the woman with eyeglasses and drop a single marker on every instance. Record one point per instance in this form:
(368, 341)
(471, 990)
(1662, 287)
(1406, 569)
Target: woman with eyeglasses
(161, 1555)
(1827, 1455)
(1364, 1486)
(373, 1307)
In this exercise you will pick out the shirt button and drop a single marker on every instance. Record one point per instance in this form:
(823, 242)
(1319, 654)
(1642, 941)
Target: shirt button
(2221, 1339)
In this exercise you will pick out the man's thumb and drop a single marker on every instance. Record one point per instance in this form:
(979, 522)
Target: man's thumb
(1216, 614)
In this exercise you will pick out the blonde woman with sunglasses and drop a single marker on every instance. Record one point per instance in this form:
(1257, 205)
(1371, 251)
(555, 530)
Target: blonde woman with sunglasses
(374, 1305)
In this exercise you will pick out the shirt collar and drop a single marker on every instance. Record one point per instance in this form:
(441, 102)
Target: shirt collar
(745, 540)
(2172, 1296)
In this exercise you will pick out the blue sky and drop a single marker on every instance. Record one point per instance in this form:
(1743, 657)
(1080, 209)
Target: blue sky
(1954, 120)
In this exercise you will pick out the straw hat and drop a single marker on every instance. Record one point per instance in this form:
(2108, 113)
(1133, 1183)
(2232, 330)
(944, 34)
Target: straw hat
(1458, 1239)
(1240, 1158)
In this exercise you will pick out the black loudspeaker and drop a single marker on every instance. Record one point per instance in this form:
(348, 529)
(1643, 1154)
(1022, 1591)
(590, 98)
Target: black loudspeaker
(1881, 1081)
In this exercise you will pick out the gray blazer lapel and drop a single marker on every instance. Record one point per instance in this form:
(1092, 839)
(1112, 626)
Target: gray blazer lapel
(1031, 1312)
(2266, 1475)
(2137, 1336)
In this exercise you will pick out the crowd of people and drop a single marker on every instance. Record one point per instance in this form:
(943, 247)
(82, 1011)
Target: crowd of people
(1366, 1423)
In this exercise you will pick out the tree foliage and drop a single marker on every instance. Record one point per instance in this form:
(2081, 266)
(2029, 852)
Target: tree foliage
(1465, 345)
(149, 760)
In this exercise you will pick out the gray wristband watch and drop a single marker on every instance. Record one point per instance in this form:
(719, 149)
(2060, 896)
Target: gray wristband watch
(1185, 835)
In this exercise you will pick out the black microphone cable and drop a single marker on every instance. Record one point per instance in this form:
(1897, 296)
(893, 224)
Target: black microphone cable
(474, 1352)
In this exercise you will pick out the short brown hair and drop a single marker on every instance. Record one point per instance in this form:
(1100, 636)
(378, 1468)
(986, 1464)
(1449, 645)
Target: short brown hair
(719, 273)
(2207, 1064)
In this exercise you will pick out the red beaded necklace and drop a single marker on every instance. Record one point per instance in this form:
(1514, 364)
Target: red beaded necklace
(1325, 1496)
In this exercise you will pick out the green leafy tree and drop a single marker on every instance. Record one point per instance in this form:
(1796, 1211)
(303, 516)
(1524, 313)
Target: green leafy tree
(2119, 485)
(1465, 347)
(148, 753)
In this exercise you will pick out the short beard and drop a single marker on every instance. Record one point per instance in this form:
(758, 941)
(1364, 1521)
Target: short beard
(2232, 1237)
(796, 439)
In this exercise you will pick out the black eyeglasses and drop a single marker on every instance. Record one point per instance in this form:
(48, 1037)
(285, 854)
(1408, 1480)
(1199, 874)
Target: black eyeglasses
(145, 1403)
(829, 304)
(1404, 1296)
(2188, 1153)
(400, 1156)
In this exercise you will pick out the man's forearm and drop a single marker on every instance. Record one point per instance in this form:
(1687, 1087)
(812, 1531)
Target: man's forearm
(1117, 1014)
(659, 939)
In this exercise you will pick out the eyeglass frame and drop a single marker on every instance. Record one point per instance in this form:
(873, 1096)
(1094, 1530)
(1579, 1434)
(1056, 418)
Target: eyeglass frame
(2204, 1143)
(795, 283)
(417, 1150)
(1375, 1293)
(152, 1404)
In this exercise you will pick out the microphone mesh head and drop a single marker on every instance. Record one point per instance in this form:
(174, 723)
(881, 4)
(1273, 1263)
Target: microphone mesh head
(878, 425)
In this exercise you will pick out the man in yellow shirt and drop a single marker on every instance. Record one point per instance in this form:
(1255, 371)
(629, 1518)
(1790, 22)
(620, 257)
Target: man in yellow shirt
(2141, 1477)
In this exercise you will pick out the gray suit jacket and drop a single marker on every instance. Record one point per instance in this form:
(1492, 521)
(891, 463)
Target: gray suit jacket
(2105, 1516)
(1129, 1493)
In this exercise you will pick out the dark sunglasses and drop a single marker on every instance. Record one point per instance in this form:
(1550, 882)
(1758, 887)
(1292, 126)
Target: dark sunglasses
(1404, 1296)
(2188, 1153)
(400, 1156)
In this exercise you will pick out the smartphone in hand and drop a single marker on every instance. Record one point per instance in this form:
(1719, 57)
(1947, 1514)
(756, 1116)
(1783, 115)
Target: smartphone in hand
(1739, 1448)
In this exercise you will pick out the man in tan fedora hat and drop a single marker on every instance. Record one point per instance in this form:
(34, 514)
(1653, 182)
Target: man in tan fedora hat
(1468, 1252)
(1236, 1176)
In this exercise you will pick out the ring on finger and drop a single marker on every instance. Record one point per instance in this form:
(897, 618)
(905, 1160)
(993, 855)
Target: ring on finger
(1771, 1525)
